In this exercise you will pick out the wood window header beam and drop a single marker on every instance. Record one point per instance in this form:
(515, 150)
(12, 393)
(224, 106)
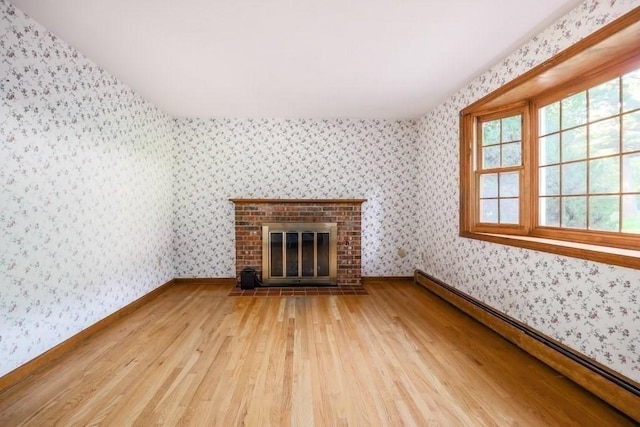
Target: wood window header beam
(614, 44)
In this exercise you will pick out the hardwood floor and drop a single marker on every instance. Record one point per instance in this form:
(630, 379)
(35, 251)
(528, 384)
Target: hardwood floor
(398, 356)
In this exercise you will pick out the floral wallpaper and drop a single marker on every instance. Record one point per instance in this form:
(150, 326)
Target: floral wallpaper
(219, 159)
(103, 198)
(85, 192)
(593, 308)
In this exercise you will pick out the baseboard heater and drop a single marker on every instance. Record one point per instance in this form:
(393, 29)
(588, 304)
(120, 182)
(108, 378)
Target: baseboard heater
(620, 392)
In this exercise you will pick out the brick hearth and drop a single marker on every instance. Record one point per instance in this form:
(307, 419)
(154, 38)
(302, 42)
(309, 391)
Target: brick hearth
(347, 213)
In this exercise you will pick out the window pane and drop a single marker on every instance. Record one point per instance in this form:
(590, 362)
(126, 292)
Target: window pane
(511, 155)
(604, 137)
(604, 175)
(509, 211)
(574, 178)
(604, 213)
(574, 144)
(574, 110)
(491, 157)
(549, 117)
(488, 185)
(512, 129)
(489, 210)
(491, 132)
(631, 91)
(631, 132)
(549, 148)
(574, 212)
(549, 211)
(631, 173)
(604, 100)
(509, 184)
(631, 214)
(549, 180)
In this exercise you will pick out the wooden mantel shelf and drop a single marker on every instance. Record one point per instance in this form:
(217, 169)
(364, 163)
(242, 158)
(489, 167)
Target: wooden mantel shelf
(316, 201)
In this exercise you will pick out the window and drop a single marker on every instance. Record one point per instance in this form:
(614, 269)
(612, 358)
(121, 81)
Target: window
(589, 158)
(551, 161)
(499, 168)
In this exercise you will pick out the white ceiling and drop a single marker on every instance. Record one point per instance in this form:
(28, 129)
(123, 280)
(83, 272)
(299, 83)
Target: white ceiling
(295, 58)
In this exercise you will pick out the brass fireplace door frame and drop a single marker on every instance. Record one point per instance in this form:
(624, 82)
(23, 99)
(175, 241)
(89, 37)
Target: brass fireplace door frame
(300, 227)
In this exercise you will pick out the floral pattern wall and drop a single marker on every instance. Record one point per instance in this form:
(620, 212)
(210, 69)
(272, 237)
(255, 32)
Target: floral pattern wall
(219, 159)
(593, 308)
(103, 198)
(85, 192)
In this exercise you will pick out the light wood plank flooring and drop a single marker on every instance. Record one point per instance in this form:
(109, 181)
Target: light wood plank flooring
(398, 356)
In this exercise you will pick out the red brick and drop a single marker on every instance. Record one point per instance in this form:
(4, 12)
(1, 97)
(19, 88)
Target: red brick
(249, 218)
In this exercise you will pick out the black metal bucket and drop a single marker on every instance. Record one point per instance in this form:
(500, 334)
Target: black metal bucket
(248, 278)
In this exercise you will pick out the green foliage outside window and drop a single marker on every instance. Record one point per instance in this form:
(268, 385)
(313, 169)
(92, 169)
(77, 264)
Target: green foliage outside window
(589, 158)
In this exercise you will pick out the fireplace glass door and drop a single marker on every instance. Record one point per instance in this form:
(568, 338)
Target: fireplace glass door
(299, 253)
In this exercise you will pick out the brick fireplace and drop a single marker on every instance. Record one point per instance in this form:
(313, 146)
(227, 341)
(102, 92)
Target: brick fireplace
(251, 214)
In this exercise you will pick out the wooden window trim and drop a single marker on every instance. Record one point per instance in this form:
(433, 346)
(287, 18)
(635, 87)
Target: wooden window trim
(618, 46)
(523, 227)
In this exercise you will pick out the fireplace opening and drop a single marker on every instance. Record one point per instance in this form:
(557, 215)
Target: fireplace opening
(299, 253)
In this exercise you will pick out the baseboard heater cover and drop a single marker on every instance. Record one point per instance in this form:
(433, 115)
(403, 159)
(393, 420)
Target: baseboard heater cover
(627, 402)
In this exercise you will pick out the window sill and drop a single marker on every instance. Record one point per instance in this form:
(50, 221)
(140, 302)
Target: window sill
(606, 254)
